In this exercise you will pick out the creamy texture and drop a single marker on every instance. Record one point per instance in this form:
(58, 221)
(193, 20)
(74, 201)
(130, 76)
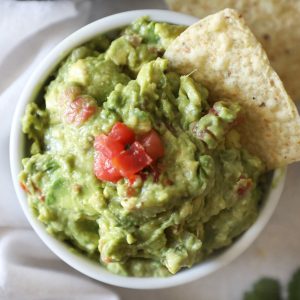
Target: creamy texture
(204, 191)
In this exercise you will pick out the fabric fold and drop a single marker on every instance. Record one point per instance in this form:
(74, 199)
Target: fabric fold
(29, 271)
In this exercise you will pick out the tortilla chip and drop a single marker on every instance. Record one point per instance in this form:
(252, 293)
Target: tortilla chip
(275, 23)
(221, 52)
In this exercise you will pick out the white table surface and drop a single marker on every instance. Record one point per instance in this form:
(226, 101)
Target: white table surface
(275, 253)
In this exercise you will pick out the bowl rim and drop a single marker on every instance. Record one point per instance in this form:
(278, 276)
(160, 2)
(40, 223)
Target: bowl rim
(80, 263)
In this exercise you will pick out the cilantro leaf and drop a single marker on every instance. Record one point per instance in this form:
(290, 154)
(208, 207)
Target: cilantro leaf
(265, 289)
(294, 286)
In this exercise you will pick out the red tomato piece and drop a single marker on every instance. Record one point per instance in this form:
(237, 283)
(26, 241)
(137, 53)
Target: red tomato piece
(131, 161)
(104, 170)
(122, 133)
(107, 146)
(244, 185)
(155, 170)
(152, 143)
(24, 187)
(133, 178)
(131, 191)
(38, 191)
(80, 110)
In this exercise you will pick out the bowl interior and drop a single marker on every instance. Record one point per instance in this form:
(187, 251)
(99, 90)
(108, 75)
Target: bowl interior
(77, 261)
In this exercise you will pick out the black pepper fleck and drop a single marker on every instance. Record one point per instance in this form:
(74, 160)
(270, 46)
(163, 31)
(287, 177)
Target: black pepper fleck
(262, 104)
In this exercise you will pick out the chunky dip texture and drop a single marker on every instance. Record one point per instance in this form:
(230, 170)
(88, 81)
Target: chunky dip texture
(129, 163)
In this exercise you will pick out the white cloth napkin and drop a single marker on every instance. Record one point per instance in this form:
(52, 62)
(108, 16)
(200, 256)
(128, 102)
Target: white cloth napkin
(28, 270)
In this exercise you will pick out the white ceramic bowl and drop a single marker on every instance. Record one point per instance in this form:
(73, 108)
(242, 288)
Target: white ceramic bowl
(81, 263)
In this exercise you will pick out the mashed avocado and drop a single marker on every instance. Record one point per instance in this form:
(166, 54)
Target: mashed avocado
(201, 193)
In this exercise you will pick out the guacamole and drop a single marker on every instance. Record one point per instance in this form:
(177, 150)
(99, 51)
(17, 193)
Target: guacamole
(131, 164)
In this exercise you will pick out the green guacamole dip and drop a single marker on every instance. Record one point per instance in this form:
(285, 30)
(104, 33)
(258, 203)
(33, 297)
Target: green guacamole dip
(208, 188)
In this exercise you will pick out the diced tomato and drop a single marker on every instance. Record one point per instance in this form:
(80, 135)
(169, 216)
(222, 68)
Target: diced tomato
(38, 191)
(155, 170)
(244, 185)
(107, 146)
(122, 133)
(112, 161)
(131, 191)
(104, 170)
(80, 110)
(152, 143)
(213, 111)
(24, 187)
(133, 178)
(131, 161)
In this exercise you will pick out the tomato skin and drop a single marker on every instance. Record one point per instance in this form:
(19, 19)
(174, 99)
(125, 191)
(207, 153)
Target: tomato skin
(104, 170)
(80, 110)
(113, 159)
(122, 133)
(131, 161)
(107, 146)
(153, 145)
